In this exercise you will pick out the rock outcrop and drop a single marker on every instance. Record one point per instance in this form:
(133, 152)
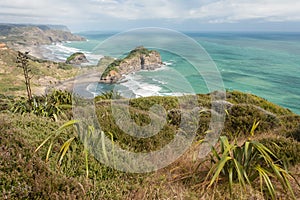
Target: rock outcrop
(76, 59)
(138, 59)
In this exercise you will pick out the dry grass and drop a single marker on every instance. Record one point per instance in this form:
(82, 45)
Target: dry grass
(45, 73)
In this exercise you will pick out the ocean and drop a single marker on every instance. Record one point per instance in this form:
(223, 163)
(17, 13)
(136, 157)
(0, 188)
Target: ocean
(264, 64)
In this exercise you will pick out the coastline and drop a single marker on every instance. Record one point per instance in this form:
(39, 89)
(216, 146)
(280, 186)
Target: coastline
(82, 81)
(36, 51)
(48, 83)
(234, 78)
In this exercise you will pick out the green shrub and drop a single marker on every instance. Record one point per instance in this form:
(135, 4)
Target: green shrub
(244, 163)
(53, 105)
(285, 149)
(23, 175)
(108, 125)
(64, 66)
(139, 51)
(108, 95)
(111, 66)
(240, 119)
(295, 134)
(71, 57)
(238, 97)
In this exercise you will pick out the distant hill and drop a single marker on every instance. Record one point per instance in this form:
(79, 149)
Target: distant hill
(5, 26)
(30, 34)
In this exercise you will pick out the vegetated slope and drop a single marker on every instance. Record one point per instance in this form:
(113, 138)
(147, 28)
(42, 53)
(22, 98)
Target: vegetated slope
(44, 73)
(242, 111)
(25, 174)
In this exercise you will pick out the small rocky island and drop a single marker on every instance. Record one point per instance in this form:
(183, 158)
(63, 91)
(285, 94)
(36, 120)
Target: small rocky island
(76, 59)
(138, 59)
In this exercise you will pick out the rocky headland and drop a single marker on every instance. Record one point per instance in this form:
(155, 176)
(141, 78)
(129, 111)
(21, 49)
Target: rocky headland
(29, 37)
(138, 59)
(22, 34)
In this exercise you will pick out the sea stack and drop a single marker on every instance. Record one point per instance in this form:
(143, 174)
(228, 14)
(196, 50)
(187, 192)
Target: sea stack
(76, 59)
(138, 59)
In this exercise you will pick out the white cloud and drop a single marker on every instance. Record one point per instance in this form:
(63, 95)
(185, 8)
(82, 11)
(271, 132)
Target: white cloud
(231, 11)
(133, 10)
(92, 11)
(205, 10)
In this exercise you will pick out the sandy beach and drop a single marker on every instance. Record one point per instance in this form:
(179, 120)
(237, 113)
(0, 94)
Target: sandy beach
(81, 82)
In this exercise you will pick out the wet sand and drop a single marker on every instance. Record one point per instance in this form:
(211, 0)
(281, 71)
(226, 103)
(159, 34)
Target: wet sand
(81, 82)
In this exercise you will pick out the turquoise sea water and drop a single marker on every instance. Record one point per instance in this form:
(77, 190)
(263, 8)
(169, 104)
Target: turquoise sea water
(265, 64)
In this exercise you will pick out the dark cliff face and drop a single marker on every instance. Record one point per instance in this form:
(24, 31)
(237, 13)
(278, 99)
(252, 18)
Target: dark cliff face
(138, 59)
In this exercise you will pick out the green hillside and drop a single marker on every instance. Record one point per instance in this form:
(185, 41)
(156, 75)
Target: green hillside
(31, 177)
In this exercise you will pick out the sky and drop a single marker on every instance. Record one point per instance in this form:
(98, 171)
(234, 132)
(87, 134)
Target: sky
(182, 15)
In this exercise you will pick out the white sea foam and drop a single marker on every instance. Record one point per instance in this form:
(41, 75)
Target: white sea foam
(168, 83)
(159, 81)
(168, 63)
(92, 88)
(162, 68)
(174, 94)
(139, 87)
(60, 52)
(92, 58)
(60, 47)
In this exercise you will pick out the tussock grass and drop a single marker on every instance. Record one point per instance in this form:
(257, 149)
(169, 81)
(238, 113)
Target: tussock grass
(23, 174)
(31, 177)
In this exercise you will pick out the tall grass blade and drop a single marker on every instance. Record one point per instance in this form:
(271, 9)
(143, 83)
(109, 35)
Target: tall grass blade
(254, 127)
(64, 149)
(68, 124)
(44, 142)
(239, 170)
(230, 176)
(48, 152)
(113, 147)
(86, 162)
(215, 153)
(103, 146)
(286, 179)
(220, 166)
(283, 177)
(55, 117)
(264, 174)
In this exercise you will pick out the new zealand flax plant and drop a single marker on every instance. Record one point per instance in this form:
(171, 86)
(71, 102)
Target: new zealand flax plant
(82, 134)
(66, 145)
(53, 105)
(245, 163)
